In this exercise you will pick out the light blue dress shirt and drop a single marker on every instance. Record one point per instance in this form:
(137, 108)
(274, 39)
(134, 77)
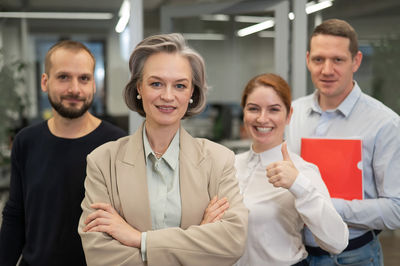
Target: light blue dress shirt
(358, 116)
(163, 186)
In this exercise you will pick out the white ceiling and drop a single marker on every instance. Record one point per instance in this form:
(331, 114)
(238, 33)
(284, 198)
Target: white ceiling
(85, 5)
(341, 8)
(151, 9)
(354, 6)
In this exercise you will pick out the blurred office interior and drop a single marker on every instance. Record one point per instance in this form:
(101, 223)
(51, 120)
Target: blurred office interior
(216, 29)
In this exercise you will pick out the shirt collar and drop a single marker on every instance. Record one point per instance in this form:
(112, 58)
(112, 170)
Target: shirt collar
(171, 156)
(272, 155)
(266, 157)
(350, 101)
(345, 107)
(252, 156)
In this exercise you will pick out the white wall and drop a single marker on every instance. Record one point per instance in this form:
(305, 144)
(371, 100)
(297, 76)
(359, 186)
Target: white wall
(117, 76)
(230, 65)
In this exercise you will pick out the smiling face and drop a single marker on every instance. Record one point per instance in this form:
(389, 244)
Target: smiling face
(332, 66)
(70, 82)
(265, 118)
(165, 88)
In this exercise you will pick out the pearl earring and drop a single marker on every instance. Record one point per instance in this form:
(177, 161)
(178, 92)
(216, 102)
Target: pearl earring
(138, 97)
(191, 100)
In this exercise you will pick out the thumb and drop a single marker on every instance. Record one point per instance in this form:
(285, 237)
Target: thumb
(285, 153)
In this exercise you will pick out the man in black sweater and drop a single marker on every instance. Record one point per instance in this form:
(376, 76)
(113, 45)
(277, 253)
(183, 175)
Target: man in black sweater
(41, 217)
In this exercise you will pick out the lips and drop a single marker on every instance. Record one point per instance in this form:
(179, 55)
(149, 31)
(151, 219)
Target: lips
(73, 99)
(327, 81)
(165, 108)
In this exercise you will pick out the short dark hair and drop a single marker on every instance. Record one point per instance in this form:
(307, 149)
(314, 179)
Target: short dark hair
(68, 45)
(168, 43)
(337, 27)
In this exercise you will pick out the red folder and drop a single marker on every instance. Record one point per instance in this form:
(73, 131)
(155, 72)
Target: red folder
(338, 161)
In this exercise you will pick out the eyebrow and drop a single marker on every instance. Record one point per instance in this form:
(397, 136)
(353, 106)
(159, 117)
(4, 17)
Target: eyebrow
(184, 79)
(325, 56)
(62, 73)
(69, 73)
(272, 105)
(178, 80)
(87, 74)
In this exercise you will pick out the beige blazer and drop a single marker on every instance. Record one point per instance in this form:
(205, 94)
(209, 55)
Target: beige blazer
(116, 174)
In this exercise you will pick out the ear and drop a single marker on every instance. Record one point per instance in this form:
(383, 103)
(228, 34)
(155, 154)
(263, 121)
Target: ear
(43, 82)
(357, 61)
(289, 116)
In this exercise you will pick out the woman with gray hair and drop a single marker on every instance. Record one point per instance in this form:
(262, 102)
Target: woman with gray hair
(160, 196)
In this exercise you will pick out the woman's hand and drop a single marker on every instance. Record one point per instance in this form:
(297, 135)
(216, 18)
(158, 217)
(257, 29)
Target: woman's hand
(106, 219)
(215, 210)
(282, 173)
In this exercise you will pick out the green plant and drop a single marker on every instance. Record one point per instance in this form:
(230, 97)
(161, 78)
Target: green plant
(13, 102)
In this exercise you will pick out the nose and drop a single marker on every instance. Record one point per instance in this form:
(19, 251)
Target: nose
(263, 117)
(167, 94)
(327, 68)
(74, 87)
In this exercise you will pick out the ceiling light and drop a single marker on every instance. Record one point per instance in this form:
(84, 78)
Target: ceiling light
(256, 28)
(56, 15)
(124, 15)
(251, 19)
(312, 7)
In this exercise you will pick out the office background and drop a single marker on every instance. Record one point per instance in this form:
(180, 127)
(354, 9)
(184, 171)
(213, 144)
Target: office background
(213, 27)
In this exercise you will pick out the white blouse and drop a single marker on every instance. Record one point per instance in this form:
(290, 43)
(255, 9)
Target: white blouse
(278, 215)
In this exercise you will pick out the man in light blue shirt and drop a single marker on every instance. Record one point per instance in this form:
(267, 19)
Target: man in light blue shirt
(339, 109)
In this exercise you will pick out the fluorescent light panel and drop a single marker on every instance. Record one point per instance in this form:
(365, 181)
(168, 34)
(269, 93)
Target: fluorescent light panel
(121, 25)
(57, 15)
(256, 28)
(251, 19)
(124, 15)
(312, 7)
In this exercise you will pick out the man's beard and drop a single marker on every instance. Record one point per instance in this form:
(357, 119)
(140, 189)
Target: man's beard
(70, 112)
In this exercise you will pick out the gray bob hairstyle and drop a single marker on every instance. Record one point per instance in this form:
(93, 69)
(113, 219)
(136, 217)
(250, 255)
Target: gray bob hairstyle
(168, 43)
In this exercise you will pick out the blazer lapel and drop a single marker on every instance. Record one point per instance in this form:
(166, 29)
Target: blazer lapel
(132, 184)
(194, 198)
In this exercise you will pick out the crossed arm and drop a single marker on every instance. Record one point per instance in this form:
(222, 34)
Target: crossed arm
(107, 220)
(108, 239)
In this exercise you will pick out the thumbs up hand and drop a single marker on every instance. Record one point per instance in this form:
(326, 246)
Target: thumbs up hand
(282, 173)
